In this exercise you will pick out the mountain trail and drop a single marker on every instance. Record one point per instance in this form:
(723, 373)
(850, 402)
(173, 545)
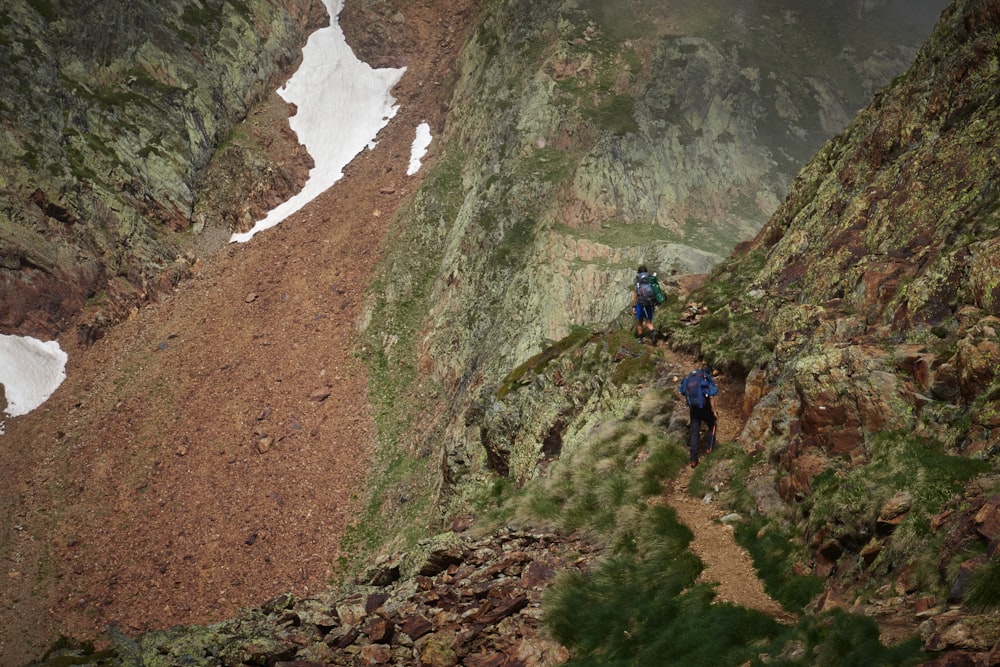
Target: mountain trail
(726, 563)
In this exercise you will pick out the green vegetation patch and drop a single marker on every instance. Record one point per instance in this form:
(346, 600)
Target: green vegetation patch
(775, 550)
(548, 164)
(536, 364)
(402, 489)
(45, 9)
(735, 328)
(615, 113)
(596, 488)
(983, 590)
(846, 504)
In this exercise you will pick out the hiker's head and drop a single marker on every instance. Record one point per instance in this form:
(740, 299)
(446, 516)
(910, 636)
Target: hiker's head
(641, 269)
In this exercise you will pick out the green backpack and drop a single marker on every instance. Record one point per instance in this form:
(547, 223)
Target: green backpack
(658, 294)
(647, 287)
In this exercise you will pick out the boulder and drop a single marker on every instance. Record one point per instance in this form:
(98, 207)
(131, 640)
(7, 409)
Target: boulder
(977, 358)
(960, 632)
(893, 512)
(987, 519)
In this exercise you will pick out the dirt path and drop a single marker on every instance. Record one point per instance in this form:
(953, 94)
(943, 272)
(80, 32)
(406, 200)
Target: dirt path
(726, 562)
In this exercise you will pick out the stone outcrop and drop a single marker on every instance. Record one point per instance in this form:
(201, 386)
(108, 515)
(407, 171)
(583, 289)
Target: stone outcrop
(112, 116)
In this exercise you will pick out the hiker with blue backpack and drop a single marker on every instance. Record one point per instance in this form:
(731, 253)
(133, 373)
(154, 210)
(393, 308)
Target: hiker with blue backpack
(645, 298)
(699, 389)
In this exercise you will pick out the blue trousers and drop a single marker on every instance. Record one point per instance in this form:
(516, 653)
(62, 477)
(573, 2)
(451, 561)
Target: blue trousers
(699, 416)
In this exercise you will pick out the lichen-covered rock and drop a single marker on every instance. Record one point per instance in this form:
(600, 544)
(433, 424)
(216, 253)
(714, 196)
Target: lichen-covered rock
(112, 114)
(978, 358)
(582, 147)
(875, 352)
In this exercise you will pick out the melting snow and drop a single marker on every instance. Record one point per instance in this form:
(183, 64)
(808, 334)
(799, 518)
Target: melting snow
(342, 104)
(419, 148)
(30, 371)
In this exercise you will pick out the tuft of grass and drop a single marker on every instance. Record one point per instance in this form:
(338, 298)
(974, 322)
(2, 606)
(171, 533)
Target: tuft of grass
(597, 487)
(983, 590)
(837, 638)
(663, 463)
(642, 607)
(774, 552)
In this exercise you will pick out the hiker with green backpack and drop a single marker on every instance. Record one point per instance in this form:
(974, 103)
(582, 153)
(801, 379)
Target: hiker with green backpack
(699, 389)
(646, 297)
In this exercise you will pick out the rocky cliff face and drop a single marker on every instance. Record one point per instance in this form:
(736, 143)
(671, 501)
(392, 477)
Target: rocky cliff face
(584, 140)
(865, 315)
(112, 114)
(872, 291)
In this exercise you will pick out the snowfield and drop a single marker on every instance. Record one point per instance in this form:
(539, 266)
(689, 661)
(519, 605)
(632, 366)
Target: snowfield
(342, 104)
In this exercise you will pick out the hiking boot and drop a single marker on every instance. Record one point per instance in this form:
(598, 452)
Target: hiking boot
(641, 340)
(654, 336)
(694, 464)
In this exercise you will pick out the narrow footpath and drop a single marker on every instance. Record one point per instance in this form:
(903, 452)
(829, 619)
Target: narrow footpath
(726, 563)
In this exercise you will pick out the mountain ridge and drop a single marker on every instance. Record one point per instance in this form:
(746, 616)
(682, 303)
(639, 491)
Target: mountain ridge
(533, 414)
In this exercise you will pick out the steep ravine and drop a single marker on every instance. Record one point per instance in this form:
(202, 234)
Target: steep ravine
(208, 453)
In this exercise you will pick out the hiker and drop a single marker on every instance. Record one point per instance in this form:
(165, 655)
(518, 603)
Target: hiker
(699, 389)
(644, 302)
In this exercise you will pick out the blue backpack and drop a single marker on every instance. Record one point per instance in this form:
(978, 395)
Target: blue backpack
(697, 387)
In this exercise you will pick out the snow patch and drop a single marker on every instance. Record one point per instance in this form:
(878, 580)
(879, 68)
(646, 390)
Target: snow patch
(419, 148)
(342, 105)
(30, 371)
